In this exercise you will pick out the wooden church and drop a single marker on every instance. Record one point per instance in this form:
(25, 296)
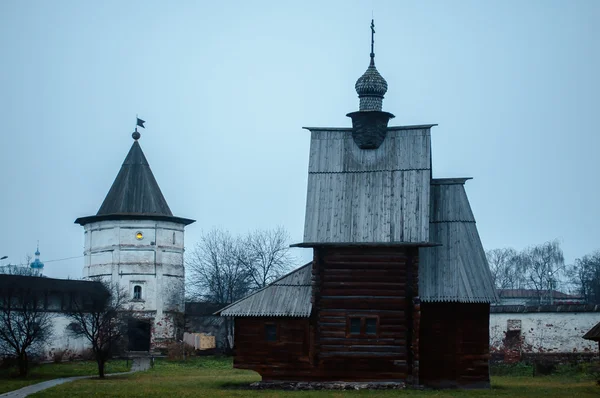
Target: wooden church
(399, 288)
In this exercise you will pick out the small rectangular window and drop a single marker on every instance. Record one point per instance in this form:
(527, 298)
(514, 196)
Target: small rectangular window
(137, 292)
(270, 332)
(362, 326)
(371, 326)
(354, 325)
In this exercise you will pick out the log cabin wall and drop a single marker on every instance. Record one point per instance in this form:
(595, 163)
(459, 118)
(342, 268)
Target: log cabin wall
(362, 313)
(275, 347)
(454, 345)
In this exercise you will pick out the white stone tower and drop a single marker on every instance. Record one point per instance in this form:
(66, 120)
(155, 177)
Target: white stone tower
(134, 240)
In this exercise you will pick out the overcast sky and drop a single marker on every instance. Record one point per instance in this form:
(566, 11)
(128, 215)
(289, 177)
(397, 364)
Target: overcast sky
(225, 88)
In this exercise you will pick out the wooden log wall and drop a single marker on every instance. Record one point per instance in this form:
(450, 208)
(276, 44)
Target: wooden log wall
(365, 282)
(287, 358)
(454, 345)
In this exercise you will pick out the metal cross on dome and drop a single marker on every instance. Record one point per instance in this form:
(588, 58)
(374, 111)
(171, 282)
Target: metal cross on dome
(372, 38)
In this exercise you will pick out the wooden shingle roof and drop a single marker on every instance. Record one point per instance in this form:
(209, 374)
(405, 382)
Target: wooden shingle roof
(288, 296)
(593, 334)
(457, 270)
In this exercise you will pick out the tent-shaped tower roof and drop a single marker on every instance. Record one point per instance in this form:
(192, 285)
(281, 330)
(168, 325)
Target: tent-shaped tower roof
(134, 194)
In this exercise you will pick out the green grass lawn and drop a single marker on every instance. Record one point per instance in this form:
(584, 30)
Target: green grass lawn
(9, 381)
(214, 377)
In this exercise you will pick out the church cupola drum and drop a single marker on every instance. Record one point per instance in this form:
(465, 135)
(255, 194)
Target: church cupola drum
(135, 241)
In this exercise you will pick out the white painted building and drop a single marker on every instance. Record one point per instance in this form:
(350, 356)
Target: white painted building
(548, 329)
(135, 241)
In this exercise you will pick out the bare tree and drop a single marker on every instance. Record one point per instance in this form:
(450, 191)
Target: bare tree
(265, 254)
(585, 276)
(25, 326)
(224, 268)
(542, 265)
(100, 321)
(504, 268)
(23, 269)
(216, 273)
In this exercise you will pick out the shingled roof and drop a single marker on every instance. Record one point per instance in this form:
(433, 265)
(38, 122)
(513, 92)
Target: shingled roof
(593, 334)
(457, 270)
(134, 194)
(288, 296)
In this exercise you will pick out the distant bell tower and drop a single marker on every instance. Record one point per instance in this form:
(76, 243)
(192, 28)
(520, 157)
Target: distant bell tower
(37, 265)
(135, 241)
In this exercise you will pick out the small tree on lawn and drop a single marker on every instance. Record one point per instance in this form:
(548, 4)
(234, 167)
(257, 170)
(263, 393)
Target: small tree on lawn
(25, 326)
(100, 322)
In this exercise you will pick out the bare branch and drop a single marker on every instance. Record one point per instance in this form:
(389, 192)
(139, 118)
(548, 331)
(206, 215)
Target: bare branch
(25, 326)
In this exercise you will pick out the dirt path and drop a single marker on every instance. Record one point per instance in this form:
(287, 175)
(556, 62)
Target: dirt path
(138, 365)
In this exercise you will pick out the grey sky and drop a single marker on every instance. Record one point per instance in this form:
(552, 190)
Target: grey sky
(225, 88)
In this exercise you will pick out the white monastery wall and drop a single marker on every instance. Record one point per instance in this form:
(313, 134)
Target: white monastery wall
(547, 332)
(62, 341)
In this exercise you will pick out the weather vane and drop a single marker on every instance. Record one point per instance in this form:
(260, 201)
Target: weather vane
(139, 122)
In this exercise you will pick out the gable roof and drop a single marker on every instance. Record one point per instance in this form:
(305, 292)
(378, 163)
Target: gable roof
(134, 194)
(289, 295)
(457, 270)
(593, 334)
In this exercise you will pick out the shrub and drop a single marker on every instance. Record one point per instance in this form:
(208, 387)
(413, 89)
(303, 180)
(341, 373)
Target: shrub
(88, 355)
(516, 369)
(593, 369)
(177, 351)
(58, 355)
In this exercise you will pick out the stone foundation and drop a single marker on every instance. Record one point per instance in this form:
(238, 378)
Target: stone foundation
(335, 385)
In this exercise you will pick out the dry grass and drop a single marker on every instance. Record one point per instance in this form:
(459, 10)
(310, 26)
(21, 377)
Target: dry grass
(210, 377)
(9, 381)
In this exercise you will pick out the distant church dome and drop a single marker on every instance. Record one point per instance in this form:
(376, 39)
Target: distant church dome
(37, 264)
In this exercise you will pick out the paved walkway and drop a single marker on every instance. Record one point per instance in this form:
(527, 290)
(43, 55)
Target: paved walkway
(138, 365)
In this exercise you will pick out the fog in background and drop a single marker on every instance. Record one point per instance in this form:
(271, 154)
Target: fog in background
(225, 88)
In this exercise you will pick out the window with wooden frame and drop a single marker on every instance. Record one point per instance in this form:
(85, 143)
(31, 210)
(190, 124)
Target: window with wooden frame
(362, 326)
(271, 332)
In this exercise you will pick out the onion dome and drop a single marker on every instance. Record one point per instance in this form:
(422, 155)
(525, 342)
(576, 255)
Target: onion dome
(371, 87)
(37, 264)
(369, 124)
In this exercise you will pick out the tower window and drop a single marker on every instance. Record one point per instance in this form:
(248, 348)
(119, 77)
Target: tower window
(173, 237)
(137, 292)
